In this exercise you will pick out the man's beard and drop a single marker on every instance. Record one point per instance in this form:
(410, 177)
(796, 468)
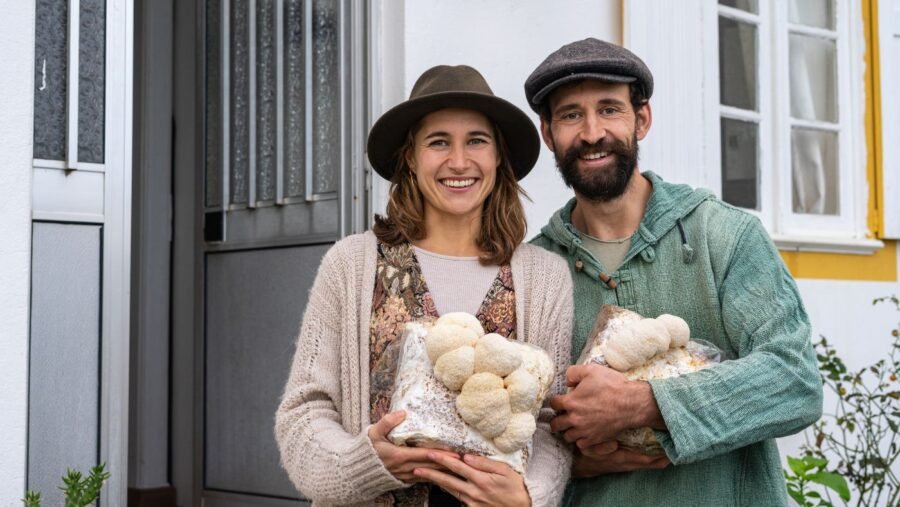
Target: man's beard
(599, 185)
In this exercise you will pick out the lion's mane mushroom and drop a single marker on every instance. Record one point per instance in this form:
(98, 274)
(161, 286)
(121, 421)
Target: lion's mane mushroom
(523, 389)
(462, 319)
(451, 331)
(519, 429)
(501, 383)
(495, 354)
(652, 331)
(678, 329)
(484, 404)
(636, 343)
(455, 367)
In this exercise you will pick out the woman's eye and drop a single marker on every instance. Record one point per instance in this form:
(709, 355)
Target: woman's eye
(478, 140)
(438, 143)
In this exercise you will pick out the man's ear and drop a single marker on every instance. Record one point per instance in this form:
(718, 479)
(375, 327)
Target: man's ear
(546, 133)
(643, 119)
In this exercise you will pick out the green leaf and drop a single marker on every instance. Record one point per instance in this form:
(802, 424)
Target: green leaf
(834, 482)
(32, 499)
(797, 496)
(799, 466)
(815, 463)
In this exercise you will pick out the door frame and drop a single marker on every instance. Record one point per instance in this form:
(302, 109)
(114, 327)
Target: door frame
(188, 249)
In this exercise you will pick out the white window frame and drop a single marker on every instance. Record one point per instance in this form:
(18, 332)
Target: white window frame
(851, 202)
(763, 117)
(842, 233)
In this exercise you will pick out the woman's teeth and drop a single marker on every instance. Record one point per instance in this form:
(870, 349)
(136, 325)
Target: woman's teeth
(459, 183)
(594, 156)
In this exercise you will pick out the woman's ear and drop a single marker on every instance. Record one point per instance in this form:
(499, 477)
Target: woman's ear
(410, 161)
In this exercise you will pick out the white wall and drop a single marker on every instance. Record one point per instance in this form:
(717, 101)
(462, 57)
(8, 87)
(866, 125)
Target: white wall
(16, 106)
(842, 312)
(505, 40)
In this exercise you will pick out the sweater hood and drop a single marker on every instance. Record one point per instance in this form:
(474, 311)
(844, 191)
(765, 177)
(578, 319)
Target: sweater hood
(668, 205)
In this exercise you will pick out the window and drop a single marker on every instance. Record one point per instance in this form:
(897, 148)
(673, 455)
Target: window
(283, 81)
(790, 116)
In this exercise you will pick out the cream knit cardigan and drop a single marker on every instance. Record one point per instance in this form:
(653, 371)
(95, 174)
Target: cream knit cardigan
(322, 422)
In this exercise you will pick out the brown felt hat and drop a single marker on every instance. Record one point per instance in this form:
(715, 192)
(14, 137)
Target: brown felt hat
(444, 87)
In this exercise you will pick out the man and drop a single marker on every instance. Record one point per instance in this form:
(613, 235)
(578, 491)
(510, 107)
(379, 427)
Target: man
(636, 241)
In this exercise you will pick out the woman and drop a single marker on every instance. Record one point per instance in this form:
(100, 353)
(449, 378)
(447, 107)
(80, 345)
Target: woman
(453, 153)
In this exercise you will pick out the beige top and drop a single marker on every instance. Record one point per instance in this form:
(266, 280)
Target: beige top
(610, 253)
(456, 284)
(322, 422)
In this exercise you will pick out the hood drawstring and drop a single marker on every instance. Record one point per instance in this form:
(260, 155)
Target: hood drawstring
(686, 250)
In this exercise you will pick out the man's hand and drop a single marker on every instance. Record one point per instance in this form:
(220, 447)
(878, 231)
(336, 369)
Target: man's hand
(402, 461)
(601, 405)
(619, 460)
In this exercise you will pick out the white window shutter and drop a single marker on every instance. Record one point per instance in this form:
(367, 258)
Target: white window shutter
(670, 37)
(889, 47)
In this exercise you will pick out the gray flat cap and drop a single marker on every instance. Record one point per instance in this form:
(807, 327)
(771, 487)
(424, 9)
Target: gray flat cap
(586, 59)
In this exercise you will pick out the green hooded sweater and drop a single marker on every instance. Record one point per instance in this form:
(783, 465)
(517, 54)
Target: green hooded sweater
(715, 266)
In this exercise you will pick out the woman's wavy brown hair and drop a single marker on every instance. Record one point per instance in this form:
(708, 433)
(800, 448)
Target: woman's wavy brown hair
(502, 219)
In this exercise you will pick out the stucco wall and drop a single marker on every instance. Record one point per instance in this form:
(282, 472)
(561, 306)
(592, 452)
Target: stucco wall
(17, 50)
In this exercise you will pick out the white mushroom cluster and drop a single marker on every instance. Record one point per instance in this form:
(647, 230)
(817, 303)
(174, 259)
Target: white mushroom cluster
(501, 383)
(640, 340)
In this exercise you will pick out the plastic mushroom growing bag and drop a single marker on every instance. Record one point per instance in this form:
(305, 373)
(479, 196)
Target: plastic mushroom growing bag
(645, 349)
(467, 391)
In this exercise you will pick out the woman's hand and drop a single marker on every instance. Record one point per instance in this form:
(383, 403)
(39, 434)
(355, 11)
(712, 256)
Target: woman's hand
(476, 480)
(401, 461)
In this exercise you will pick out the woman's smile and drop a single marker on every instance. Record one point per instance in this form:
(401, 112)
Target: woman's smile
(458, 183)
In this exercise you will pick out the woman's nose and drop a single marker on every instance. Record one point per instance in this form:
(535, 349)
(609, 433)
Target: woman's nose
(457, 158)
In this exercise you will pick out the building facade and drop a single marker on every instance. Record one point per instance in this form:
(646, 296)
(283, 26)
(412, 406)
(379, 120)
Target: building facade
(171, 172)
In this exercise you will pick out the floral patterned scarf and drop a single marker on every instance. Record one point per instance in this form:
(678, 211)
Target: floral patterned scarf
(401, 296)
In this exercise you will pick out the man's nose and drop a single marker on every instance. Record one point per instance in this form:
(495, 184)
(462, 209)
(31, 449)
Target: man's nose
(593, 130)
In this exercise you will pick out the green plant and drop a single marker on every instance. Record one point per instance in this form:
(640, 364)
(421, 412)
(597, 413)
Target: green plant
(32, 499)
(860, 436)
(80, 491)
(810, 470)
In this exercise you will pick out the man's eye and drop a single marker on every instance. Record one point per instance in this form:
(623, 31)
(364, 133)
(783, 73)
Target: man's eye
(571, 116)
(609, 110)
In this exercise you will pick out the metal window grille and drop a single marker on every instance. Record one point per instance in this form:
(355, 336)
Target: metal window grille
(276, 103)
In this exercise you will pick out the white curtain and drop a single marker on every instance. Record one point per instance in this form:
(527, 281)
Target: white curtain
(807, 151)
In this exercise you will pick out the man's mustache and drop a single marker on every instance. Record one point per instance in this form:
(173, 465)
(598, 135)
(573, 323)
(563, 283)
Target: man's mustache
(607, 145)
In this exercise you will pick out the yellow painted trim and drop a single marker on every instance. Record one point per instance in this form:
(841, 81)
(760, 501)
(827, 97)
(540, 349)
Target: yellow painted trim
(874, 163)
(878, 267)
